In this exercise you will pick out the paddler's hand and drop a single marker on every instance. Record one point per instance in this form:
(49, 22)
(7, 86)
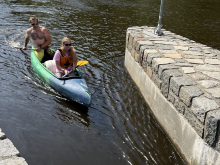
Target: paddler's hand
(38, 49)
(66, 71)
(24, 48)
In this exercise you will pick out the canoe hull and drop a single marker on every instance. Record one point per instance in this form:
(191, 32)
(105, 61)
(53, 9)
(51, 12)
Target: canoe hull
(74, 89)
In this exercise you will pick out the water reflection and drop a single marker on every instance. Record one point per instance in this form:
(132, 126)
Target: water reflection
(72, 112)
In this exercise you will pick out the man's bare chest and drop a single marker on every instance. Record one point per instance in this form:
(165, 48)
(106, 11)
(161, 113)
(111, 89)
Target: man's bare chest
(37, 34)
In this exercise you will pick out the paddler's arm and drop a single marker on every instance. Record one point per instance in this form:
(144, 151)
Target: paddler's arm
(75, 62)
(47, 38)
(27, 39)
(60, 68)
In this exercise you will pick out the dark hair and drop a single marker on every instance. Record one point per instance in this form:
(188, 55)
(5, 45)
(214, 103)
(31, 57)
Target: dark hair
(33, 19)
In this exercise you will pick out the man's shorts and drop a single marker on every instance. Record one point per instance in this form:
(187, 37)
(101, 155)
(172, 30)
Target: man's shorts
(48, 54)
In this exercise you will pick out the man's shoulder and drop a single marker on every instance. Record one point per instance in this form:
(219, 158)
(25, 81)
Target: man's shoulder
(29, 30)
(43, 28)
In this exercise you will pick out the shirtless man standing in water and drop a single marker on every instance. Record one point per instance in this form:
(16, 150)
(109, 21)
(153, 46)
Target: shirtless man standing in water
(40, 37)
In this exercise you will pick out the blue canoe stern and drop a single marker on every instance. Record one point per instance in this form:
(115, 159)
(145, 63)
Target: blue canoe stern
(73, 89)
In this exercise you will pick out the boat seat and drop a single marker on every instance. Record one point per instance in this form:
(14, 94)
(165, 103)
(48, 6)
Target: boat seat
(50, 65)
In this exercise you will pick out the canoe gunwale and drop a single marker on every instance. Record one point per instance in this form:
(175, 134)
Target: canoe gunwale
(71, 77)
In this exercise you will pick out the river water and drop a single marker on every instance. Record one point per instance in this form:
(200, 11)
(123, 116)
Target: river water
(118, 128)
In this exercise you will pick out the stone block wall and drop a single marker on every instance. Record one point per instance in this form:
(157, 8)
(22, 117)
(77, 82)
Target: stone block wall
(187, 74)
(8, 153)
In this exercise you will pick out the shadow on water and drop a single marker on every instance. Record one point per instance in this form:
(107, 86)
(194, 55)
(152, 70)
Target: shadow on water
(72, 112)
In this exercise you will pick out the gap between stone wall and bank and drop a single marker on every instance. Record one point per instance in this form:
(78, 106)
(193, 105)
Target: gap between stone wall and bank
(179, 79)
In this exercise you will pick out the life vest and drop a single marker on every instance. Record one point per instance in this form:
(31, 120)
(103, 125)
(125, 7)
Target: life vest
(64, 60)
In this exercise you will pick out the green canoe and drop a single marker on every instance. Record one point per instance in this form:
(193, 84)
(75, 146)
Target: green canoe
(73, 88)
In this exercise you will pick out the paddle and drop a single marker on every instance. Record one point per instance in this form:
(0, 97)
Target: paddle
(24, 49)
(79, 63)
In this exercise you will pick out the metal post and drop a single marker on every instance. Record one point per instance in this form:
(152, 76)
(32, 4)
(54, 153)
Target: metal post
(158, 31)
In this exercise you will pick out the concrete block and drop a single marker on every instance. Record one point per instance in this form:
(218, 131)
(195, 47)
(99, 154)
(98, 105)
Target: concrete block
(129, 46)
(131, 37)
(147, 51)
(208, 83)
(151, 56)
(172, 55)
(177, 82)
(149, 72)
(194, 122)
(161, 61)
(207, 51)
(137, 57)
(167, 51)
(178, 104)
(198, 76)
(157, 39)
(195, 53)
(195, 61)
(7, 149)
(216, 51)
(183, 64)
(193, 57)
(181, 47)
(165, 43)
(164, 47)
(166, 75)
(156, 80)
(172, 97)
(195, 49)
(178, 60)
(212, 123)
(165, 67)
(14, 161)
(207, 67)
(211, 55)
(214, 92)
(144, 62)
(127, 37)
(215, 75)
(184, 43)
(217, 147)
(149, 34)
(202, 105)
(136, 44)
(149, 43)
(133, 52)
(188, 70)
(142, 48)
(188, 92)
(212, 61)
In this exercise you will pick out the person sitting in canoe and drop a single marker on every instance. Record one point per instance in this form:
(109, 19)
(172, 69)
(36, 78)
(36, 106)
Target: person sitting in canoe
(66, 59)
(41, 40)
